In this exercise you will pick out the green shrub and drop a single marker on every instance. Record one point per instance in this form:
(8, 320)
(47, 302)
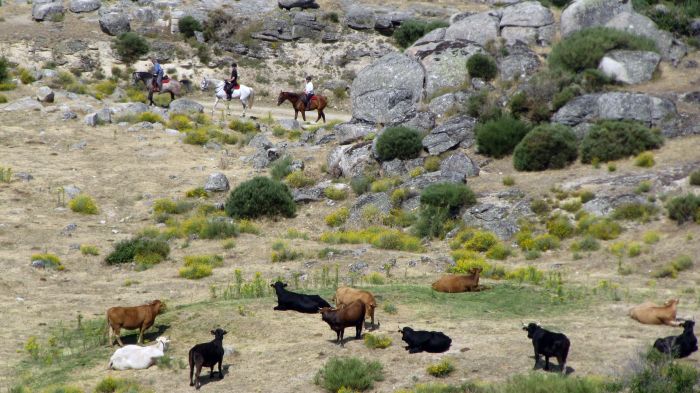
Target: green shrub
(635, 211)
(417, 171)
(441, 369)
(83, 204)
(243, 126)
(588, 243)
(563, 97)
(572, 206)
(207, 228)
(119, 385)
(497, 138)
(50, 260)
(195, 272)
(545, 242)
(3, 99)
(604, 229)
(25, 76)
(130, 46)
(548, 146)
(168, 206)
(281, 168)
(611, 140)
(526, 274)
(180, 122)
(150, 117)
(651, 237)
(360, 184)
(126, 251)
(432, 164)
(447, 195)
(482, 66)
(188, 25)
(399, 142)
(388, 239)
(398, 196)
(411, 30)
(4, 69)
(281, 252)
(260, 196)
(634, 250)
(481, 241)
(658, 374)
(86, 249)
(335, 193)
(377, 342)
(499, 251)
(694, 178)
(508, 181)
(352, 373)
(585, 48)
(540, 206)
(106, 88)
(561, 227)
(645, 160)
(385, 184)
(338, 217)
(298, 179)
(684, 208)
(586, 196)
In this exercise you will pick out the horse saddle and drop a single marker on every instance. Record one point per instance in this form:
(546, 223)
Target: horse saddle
(232, 87)
(165, 80)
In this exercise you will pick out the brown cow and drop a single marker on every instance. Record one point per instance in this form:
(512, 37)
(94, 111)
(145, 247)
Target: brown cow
(651, 314)
(139, 317)
(338, 319)
(346, 295)
(453, 283)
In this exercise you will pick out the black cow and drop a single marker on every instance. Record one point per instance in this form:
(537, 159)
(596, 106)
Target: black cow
(679, 346)
(309, 304)
(207, 355)
(548, 344)
(421, 340)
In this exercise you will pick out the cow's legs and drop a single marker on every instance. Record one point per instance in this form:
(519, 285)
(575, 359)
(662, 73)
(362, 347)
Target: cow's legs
(141, 330)
(211, 372)
(358, 330)
(221, 373)
(117, 332)
(537, 359)
(562, 364)
(197, 383)
(546, 362)
(216, 102)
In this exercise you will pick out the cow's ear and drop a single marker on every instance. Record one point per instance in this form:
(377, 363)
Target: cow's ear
(213, 332)
(284, 285)
(224, 333)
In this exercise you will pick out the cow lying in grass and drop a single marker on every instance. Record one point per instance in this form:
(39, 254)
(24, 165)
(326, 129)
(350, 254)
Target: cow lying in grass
(286, 300)
(207, 355)
(135, 357)
(651, 314)
(424, 341)
(454, 283)
(679, 346)
(548, 344)
(139, 317)
(345, 295)
(338, 319)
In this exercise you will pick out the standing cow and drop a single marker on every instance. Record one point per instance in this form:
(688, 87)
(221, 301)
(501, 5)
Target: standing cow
(349, 316)
(346, 295)
(139, 317)
(548, 344)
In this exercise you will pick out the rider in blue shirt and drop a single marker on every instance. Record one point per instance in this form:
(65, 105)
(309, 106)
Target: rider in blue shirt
(158, 73)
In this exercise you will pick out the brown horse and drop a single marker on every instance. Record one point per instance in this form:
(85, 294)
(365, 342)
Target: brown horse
(317, 102)
(171, 86)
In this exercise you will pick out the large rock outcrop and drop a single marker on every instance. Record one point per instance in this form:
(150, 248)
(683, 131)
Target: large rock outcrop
(669, 47)
(650, 110)
(581, 14)
(350, 160)
(114, 23)
(289, 4)
(480, 28)
(78, 6)
(498, 213)
(630, 67)
(45, 10)
(529, 22)
(454, 132)
(388, 91)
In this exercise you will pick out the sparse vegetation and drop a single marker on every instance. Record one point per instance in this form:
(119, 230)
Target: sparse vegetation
(389, 239)
(335, 193)
(198, 192)
(243, 126)
(87, 249)
(431, 164)
(684, 208)
(260, 196)
(635, 211)
(281, 252)
(338, 217)
(694, 179)
(399, 142)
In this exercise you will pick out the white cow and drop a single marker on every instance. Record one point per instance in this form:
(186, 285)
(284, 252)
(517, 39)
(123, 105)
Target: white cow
(137, 357)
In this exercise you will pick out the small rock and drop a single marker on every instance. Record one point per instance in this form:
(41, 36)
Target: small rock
(217, 182)
(39, 264)
(358, 267)
(45, 94)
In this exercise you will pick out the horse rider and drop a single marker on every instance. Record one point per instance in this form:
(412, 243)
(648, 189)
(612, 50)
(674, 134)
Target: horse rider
(157, 73)
(308, 92)
(232, 82)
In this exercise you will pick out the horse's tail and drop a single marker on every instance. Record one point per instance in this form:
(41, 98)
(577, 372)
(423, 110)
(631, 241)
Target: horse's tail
(252, 98)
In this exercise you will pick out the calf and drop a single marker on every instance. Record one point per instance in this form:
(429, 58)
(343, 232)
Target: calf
(207, 355)
(548, 344)
(139, 317)
(136, 357)
(309, 304)
(651, 314)
(679, 346)
(345, 295)
(424, 341)
(338, 319)
(453, 283)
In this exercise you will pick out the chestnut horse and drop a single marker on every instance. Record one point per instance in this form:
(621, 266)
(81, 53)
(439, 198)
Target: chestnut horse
(317, 102)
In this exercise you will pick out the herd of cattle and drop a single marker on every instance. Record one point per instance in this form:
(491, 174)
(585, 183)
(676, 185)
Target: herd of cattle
(353, 306)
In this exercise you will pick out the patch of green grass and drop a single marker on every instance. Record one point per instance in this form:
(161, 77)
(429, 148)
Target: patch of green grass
(243, 126)
(645, 160)
(293, 233)
(441, 369)
(200, 266)
(377, 342)
(281, 168)
(282, 253)
(168, 206)
(389, 239)
(635, 211)
(150, 117)
(335, 193)
(651, 237)
(87, 249)
(385, 184)
(298, 179)
(51, 260)
(338, 217)
(431, 164)
(198, 192)
(508, 181)
(375, 278)
(83, 204)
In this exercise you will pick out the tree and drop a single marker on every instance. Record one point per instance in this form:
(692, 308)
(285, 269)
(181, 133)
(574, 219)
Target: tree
(130, 46)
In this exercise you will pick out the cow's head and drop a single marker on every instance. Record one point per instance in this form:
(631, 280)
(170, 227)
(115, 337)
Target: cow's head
(278, 285)
(475, 270)
(165, 341)
(158, 306)
(671, 302)
(405, 331)
(219, 333)
(531, 328)
(688, 324)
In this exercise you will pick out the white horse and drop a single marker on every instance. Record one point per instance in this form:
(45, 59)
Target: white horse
(244, 93)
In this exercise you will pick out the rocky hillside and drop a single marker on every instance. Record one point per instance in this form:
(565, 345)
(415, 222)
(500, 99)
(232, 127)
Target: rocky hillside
(553, 145)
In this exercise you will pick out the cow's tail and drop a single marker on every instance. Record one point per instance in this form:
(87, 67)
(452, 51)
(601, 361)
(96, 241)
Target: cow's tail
(252, 99)
(108, 331)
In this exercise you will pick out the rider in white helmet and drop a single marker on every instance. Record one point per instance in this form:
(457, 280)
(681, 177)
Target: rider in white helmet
(308, 92)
